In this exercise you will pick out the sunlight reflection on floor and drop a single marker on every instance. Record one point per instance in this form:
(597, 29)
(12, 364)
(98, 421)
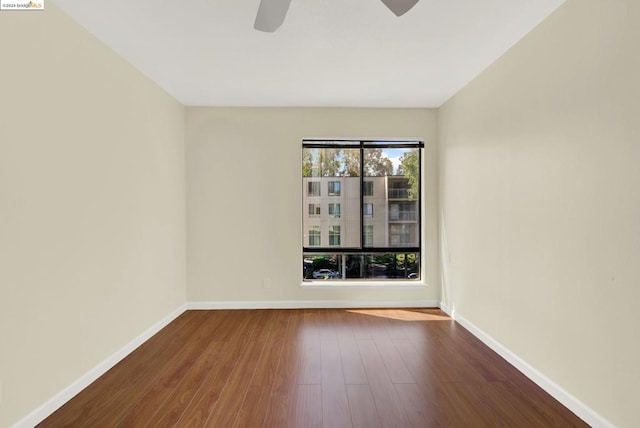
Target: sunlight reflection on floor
(402, 314)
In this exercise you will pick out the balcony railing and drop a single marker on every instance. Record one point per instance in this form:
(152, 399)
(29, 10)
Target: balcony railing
(403, 216)
(398, 193)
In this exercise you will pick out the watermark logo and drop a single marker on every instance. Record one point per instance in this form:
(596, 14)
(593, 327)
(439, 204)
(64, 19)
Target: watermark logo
(21, 5)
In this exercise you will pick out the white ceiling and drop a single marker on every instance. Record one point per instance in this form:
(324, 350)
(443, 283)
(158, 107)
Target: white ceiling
(338, 53)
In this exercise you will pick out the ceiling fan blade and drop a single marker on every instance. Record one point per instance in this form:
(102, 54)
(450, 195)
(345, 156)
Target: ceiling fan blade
(271, 15)
(399, 7)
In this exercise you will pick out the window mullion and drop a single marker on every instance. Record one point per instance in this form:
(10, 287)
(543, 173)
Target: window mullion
(361, 195)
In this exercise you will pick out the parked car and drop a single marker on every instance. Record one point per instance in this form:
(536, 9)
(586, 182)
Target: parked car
(325, 274)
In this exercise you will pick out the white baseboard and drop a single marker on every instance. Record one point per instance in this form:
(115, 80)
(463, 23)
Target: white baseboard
(447, 310)
(313, 304)
(581, 410)
(58, 400)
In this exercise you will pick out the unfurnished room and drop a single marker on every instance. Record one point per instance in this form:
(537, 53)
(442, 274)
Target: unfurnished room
(296, 213)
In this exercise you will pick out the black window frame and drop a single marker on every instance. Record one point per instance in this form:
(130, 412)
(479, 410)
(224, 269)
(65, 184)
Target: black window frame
(362, 145)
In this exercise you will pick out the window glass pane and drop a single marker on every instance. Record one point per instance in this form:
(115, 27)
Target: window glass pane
(334, 173)
(355, 266)
(392, 202)
(323, 266)
(365, 220)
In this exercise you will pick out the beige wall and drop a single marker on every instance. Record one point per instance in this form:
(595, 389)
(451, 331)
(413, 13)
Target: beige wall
(92, 206)
(540, 203)
(244, 199)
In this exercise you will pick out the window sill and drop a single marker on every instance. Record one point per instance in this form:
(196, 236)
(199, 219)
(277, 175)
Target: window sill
(356, 283)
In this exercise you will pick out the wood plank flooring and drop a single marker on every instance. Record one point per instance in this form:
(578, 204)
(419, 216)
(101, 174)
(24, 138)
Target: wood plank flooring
(313, 368)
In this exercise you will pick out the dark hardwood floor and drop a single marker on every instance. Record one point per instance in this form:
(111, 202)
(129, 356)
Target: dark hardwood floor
(311, 368)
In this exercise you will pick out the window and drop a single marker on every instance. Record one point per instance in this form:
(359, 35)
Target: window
(314, 210)
(352, 170)
(334, 188)
(367, 190)
(402, 234)
(334, 210)
(367, 210)
(334, 235)
(314, 236)
(398, 190)
(367, 238)
(402, 211)
(313, 188)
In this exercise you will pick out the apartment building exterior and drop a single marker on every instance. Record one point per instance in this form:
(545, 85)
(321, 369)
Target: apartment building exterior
(332, 215)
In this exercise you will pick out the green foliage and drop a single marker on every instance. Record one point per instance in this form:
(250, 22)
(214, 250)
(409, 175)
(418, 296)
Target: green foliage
(330, 162)
(351, 162)
(307, 163)
(376, 165)
(410, 167)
